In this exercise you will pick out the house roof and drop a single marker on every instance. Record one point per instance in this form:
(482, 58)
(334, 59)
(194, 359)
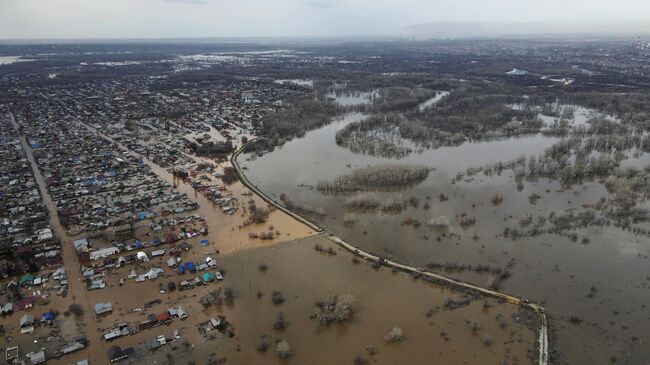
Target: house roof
(114, 352)
(103, 307)
(26, 319)
(163, 317)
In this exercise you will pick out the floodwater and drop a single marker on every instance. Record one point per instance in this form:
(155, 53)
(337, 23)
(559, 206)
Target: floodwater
(432, 101)
(548, 269)
(581, 115)
(6, 60)
(516, 71)
(353, 98)
(379, 306)
(298, 82)
(383, 300)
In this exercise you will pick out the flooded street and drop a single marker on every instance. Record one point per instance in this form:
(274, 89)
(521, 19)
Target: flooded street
(76, 291)
(226, 230)
(564, 272)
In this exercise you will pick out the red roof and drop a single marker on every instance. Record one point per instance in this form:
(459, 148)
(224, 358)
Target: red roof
(27, 301)
(162, 317)
(23, 250)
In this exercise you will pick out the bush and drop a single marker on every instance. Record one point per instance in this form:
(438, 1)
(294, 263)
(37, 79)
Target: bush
(487, 340)
(280, 322)
(441, 222)
(229, 175)
(257, 215)
(229, 295)
(76, 309)
(218, 296)
(262, 344)
(277, 298)
(395, 335)
(359, 360)
(335, 308)
(283, 349)
(497, 199)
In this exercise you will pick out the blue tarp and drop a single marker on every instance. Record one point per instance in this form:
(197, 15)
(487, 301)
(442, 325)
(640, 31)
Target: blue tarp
(181, 269)
(48, 316)
(138, 244)
(204, 242)
(189, 266)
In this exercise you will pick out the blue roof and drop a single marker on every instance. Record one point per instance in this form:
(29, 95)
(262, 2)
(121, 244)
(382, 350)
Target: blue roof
(207, 276)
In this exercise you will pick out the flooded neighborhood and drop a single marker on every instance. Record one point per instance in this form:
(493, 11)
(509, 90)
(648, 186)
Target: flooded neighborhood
(396, 201)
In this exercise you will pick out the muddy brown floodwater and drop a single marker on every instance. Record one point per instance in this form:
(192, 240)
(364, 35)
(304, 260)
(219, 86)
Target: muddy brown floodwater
(383, 300)
(548, 269)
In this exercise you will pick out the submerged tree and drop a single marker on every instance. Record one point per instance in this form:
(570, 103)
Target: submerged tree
(395, 335)
(335, 308)
(283, 349)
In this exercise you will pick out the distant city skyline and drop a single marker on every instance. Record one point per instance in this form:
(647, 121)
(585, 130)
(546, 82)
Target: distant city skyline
(87, 19)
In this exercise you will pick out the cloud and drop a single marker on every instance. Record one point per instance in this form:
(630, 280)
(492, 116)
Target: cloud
(323, 4)
(199, 2)
(231, 18)
(496, 29)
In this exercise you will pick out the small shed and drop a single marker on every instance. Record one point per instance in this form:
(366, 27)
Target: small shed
(37, 357)
(208, 277)
(26, 279)
(7, 308)
(101, 308)
(115, 353)
(27, 323)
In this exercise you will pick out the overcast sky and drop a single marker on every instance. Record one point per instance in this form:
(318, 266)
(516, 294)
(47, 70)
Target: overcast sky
(234, 18)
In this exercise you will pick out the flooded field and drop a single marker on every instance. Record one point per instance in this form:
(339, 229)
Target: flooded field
(593, 292)
(380, 304)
